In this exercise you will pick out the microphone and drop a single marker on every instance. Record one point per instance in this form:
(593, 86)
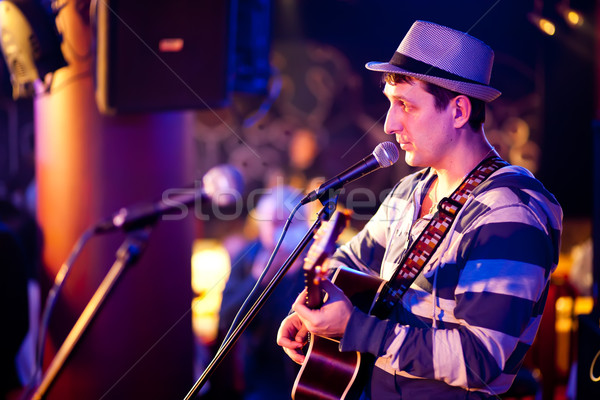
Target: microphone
(221, 185)
(384, 155)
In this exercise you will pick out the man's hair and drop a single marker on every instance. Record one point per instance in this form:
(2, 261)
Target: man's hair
(442, 97)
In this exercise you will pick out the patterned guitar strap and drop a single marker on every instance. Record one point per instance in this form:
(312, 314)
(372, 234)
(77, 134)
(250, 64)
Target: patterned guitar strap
(424, 247)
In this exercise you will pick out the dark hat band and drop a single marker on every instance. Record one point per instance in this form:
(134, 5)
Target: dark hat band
(413, 65)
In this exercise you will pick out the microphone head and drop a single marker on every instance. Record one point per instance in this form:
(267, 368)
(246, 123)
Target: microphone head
(223, 184)
(386, 154)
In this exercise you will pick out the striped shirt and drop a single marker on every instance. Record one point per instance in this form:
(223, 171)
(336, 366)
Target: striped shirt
(474, 310)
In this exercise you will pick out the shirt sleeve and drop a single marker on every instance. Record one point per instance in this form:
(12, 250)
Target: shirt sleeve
(503, 263)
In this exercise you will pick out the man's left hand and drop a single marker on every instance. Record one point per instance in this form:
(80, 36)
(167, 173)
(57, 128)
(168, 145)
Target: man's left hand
(331, 319)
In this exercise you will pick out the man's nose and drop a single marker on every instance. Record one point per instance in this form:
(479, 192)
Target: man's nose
(393, 124)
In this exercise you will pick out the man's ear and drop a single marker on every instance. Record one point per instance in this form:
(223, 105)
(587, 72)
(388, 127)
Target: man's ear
(462, 110)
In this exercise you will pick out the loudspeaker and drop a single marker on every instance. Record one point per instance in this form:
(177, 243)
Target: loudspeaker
(588, 357)
(159, 56)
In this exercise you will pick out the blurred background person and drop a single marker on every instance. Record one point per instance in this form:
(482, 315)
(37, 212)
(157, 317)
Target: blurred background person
(256, 368)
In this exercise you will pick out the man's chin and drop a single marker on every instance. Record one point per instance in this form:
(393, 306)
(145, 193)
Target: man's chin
(411, 160)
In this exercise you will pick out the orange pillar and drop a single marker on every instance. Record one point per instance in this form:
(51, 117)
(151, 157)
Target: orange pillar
(88, 165)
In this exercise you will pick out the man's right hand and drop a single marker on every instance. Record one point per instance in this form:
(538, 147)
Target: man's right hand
(292, 336)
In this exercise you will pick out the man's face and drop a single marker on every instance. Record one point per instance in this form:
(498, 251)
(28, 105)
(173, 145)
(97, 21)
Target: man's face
(423, 132)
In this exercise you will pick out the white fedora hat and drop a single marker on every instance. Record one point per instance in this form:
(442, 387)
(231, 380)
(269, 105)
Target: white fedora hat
(445, 57)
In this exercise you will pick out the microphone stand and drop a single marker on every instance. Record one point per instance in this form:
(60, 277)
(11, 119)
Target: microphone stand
(129, 252)
(329, 207)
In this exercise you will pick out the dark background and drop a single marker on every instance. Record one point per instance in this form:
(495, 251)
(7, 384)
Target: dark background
(548, 81)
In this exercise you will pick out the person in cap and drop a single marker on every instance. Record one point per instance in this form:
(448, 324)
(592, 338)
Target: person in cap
(461, 327)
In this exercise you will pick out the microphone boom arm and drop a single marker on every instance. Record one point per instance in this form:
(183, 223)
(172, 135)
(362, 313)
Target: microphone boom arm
(334, 185)
(323, 215)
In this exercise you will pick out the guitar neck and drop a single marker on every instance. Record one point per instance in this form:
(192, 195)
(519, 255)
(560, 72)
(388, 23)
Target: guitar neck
(322, 248)
(315, 294)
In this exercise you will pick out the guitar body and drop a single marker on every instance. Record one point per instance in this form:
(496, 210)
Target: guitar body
(326, 372)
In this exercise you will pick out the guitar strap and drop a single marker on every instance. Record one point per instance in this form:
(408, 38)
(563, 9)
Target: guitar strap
(428, 241)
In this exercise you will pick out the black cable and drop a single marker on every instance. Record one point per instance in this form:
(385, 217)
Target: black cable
(261, 277)
(59, 281)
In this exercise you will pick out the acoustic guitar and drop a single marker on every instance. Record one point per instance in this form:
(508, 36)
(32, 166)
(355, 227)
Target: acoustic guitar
(328, 373)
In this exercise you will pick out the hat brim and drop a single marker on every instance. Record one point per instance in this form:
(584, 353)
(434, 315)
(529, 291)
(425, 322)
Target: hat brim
(478, 91)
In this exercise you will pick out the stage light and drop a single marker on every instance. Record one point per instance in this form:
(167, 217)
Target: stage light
(572, 17)
(30, 45)
(211, 266)
(542, 23)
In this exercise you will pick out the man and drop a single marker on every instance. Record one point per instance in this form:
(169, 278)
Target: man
(462, 328)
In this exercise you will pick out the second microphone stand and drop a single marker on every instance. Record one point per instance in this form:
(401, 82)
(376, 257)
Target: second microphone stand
(127, 254)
